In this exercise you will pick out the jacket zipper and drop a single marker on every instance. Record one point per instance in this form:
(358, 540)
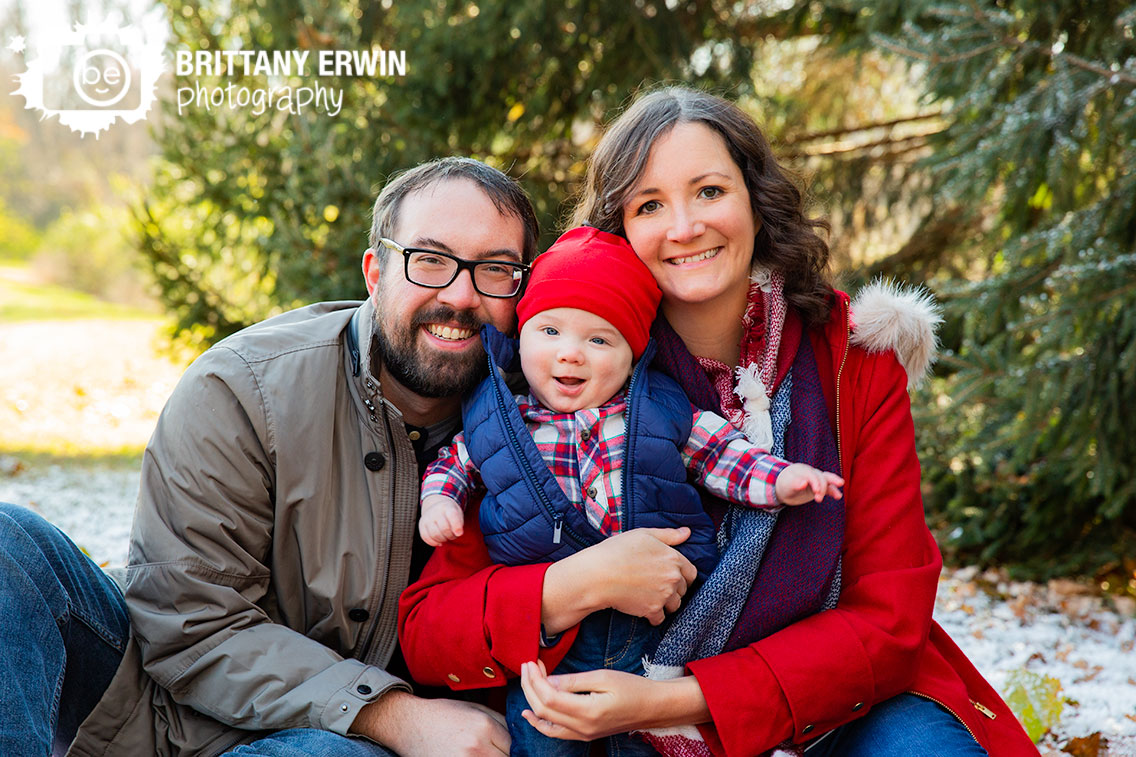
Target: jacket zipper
(839, 375)
(559, 528)
(629, 450)
(978, 706)
(380, 581)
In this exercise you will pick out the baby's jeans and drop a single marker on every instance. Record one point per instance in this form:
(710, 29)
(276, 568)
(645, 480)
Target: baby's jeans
(607, 639)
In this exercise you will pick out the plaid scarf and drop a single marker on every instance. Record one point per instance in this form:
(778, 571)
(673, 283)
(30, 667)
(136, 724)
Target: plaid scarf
(775, 568)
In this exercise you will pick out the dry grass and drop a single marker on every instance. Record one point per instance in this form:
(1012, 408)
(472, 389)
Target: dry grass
(81, 388)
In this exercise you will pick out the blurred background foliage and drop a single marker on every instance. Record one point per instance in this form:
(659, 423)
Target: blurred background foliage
(983, 148)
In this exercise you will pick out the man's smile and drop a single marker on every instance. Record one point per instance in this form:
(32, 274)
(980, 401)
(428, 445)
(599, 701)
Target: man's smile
(449, 333)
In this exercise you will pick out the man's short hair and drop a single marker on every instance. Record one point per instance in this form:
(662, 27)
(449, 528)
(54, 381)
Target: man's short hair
(507, 196)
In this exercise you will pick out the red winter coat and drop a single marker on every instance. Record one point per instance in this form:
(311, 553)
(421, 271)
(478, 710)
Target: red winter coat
(467, 623)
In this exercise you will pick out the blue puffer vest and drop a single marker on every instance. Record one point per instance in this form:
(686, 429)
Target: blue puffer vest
(525, 516)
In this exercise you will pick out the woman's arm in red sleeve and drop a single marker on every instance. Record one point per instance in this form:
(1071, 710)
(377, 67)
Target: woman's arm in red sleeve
(827, 669)
(467, 623)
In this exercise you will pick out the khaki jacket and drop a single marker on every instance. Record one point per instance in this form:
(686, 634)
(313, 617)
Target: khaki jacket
(269, 548)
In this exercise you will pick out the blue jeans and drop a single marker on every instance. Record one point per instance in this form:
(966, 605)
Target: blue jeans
(607, 639)
(309, 742)
(63, 629)
(902, 726)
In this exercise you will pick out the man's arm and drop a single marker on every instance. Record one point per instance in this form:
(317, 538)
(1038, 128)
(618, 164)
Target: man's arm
(199, 578)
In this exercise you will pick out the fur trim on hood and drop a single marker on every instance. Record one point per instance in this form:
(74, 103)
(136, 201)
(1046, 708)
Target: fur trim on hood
(886, 316)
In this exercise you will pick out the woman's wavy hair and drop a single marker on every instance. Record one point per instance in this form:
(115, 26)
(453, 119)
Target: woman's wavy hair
(787, 240)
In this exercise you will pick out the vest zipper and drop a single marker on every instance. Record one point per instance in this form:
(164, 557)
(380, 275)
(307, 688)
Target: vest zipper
(559, 529)
(629, 450)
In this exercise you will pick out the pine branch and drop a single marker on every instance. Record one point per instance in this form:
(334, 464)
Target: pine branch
(1001, 40)
(904, 144)
(793, 139)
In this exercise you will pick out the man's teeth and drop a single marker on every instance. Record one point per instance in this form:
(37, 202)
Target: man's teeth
(449, 332)
(695, 258)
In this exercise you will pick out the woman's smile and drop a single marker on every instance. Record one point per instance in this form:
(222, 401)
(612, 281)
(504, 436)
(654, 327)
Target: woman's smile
(696, 257)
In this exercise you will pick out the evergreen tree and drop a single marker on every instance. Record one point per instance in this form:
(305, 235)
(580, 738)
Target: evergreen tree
(252, 214)
(1029, 448)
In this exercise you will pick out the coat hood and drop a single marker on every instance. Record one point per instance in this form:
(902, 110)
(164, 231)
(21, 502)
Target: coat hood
(887, 316)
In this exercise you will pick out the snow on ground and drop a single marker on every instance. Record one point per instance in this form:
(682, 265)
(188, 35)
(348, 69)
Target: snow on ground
(1061, 630)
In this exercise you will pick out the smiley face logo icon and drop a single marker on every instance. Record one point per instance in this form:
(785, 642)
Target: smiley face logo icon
(101, 78)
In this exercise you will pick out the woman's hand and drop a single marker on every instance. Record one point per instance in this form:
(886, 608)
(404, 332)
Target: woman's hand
(637, 572)
(598, 703)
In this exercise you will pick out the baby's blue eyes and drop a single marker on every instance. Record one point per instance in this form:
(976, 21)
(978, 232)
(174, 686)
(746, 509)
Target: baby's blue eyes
(553, 331)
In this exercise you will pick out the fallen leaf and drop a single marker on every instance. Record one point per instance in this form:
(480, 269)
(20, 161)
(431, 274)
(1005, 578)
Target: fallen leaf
(1088, 746)
(1065, 587)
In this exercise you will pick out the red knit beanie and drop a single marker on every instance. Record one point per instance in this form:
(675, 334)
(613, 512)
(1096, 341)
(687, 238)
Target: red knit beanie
(592, 270)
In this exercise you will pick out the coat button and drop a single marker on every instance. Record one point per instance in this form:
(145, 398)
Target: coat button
(454, 678)
(358, 614)
(415, 435)
(807, 729)
(489, 672)
(374, 461)
(857, 707)
(363, 689)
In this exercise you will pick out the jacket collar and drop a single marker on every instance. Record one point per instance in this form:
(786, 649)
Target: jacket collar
(360, 344)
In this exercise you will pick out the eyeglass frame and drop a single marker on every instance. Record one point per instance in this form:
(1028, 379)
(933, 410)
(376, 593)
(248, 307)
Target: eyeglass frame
(463, 265)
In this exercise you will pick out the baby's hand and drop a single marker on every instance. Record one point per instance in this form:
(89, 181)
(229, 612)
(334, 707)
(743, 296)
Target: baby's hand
(799, 483)
(442, 520)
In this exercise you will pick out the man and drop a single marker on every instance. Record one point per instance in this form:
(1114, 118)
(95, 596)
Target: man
(276, 516)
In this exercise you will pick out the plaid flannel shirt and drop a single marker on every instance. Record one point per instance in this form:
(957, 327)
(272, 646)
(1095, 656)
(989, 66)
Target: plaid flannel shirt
(584, 451)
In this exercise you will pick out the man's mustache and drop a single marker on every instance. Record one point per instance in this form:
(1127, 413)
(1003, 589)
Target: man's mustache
(461, 318)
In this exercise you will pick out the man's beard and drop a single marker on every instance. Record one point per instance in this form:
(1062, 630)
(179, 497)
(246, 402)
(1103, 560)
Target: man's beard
(426, 372)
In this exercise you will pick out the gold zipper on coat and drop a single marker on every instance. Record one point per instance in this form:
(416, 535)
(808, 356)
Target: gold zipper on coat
(984, 710)
(839, 374)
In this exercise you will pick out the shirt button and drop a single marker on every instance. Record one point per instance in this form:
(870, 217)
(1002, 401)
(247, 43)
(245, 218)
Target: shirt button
(344, 707)
(414, 436)
(592, 492)
(585, 435)
(857, 707)
(489, 672)
(807, 729)
(374, 461)
(454, 678)
(363, 689)
(358, 614)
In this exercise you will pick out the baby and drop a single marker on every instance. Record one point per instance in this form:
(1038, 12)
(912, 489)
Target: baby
(599, 445)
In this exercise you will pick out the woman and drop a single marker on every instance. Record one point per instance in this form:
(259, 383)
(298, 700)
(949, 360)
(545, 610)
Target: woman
(833, 641)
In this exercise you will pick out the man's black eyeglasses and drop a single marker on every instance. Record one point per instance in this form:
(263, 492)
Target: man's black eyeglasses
(437, 270)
